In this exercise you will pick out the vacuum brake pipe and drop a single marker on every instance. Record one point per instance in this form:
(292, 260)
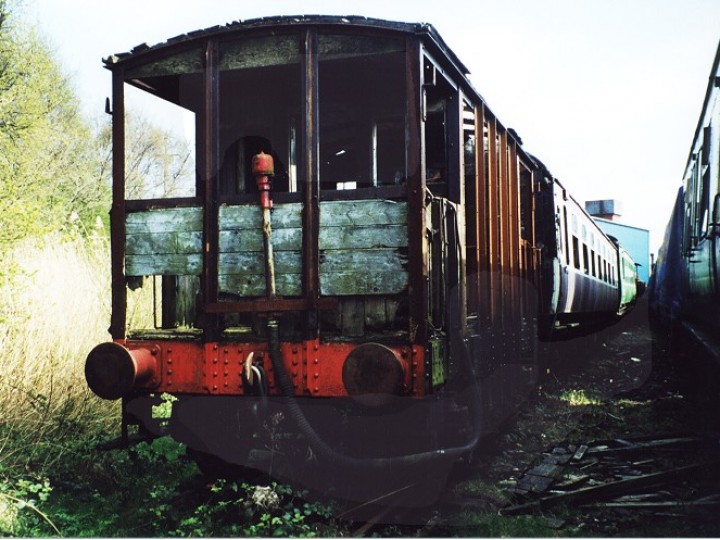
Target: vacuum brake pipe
(263, 169)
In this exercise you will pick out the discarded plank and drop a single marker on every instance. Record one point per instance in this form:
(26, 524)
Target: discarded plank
(651, 444)
(572, 481)
(580, 452)
(610, 489)
(629, 444)
(652, 504)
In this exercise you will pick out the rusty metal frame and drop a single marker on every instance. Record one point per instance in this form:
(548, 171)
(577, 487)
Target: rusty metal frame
(117, 212)
(210, 167)
(415, 162)
(472, 227)
(310, 170)
(482, 260)
(493, 223)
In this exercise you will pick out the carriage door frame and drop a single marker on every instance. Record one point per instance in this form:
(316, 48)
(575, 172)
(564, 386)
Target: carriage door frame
(443, 170)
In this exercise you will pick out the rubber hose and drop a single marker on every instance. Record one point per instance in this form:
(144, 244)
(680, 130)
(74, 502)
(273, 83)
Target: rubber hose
(335, 457)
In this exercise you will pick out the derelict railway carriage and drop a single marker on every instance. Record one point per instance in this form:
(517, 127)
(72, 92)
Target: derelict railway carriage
(685, 286)
(360, 239)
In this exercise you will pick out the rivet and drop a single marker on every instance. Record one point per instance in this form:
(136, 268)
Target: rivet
(317, 347)
(169, 360)
(226, 362)
(215, 347)
(169, 371)
(317, 375)
(316, 361)
(294, 350)
(214, 386)
(226, 373)
(316, 389)
(215, 373)
(215, 360)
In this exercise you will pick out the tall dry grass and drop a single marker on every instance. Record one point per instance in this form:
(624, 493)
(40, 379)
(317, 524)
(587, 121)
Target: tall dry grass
(54, 307)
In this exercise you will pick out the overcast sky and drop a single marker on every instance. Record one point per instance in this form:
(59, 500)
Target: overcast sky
(607, 93)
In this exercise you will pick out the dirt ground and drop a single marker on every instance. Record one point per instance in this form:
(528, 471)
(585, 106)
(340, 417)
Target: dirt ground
(621, 440)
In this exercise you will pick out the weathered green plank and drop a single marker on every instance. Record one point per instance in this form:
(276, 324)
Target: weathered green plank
(362, 281)
(254, 285)
(251, 240)
(253, 262)
(161, 220)
(158, 243)
(163, 264)
(381, 260)
(362, 213)
(282, 216)
(388, 236)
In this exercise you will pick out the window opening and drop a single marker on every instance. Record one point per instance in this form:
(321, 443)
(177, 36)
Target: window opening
(565, 230)
(576, 252)
(161, 100)
(362, 111)
(260, 99)
(439, 96)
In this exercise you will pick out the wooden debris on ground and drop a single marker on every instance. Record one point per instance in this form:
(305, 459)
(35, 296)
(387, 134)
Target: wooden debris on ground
(678, 473)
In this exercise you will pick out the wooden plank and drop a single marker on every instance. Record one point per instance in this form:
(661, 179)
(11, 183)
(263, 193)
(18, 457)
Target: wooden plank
(382, 259)
(362, 282)
(163, 243)
(638, 446)
(253, 262)
(239, 241)
(362, 213)
(389, 236)
(254, 284)
(164, 264)
(283, 216)
(610, 489)
(162, 220)
(580, 452)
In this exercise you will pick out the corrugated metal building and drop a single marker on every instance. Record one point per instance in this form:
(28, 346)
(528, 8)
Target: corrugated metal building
(635, 239)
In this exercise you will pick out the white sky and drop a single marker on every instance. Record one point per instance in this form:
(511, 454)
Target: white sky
(607, 93)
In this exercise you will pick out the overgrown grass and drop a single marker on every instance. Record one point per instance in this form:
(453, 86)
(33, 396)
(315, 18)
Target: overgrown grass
(55, 308)
(53, 480)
